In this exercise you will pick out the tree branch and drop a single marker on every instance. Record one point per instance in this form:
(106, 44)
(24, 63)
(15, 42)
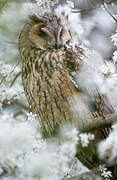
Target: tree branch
(106, 8)
(84, 10)
(17, 75)
(85, 175)
(98, 123)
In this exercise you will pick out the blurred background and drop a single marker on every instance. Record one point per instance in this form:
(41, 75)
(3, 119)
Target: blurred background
(98, 25)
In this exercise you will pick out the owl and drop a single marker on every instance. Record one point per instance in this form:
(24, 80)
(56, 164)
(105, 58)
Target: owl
(59, 80)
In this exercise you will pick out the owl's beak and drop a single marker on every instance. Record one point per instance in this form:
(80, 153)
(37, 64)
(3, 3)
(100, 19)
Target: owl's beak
(58, 39)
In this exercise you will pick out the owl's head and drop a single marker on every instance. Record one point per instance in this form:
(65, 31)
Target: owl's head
(47, 32)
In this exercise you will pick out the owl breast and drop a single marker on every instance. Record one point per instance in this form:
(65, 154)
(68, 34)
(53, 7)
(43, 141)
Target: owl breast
(49, 89)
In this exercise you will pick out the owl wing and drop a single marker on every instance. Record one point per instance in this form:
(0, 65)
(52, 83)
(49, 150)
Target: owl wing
(87, 70)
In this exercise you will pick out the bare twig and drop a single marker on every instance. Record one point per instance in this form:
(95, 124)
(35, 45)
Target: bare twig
(17, 75)
(106, 8)
(85, 175)
(110, 2)
(104, 4)
(84, 10)
(3, 78)
(19, 113)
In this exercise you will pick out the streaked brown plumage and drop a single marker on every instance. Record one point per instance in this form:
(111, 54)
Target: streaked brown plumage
(49, 71)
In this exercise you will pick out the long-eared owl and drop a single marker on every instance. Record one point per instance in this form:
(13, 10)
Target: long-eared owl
(58, 81)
